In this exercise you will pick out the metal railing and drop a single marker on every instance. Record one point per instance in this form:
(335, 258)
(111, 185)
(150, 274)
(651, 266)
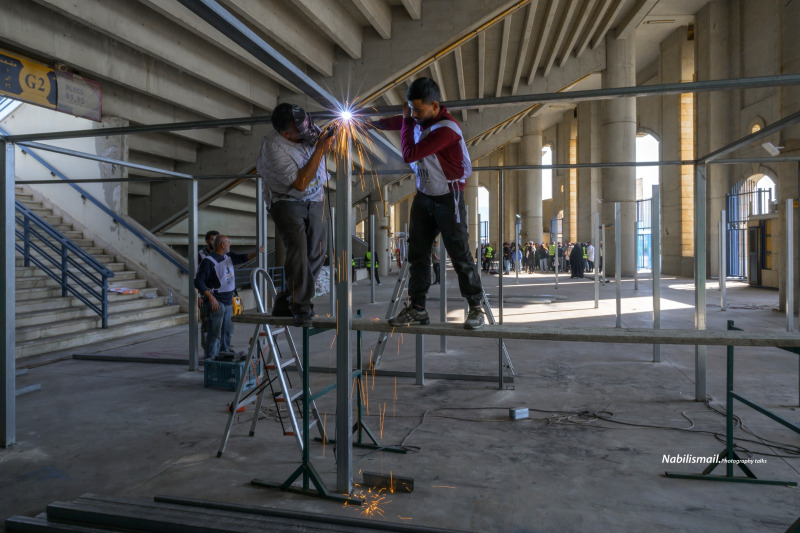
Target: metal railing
(78, 273)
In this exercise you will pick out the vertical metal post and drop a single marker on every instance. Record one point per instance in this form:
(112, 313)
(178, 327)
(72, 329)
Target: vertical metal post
(636, 256)
(262, 239)
(332, 260)
(729, 407)
(789, 264)
(655, 263)
(605, 262)
(192, 294)
(596, 242)
(344, 303)
(723, 262)
(516, 252)
(501, 270)
(373, 259)
(555, 262)
(700, 277)
(420, 366)
(8, 412)
(618, 259)
(442, 253)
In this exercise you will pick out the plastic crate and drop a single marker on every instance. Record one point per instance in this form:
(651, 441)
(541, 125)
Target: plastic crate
(226, 374)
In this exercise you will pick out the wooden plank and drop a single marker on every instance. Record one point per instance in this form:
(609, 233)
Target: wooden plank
(687, 337)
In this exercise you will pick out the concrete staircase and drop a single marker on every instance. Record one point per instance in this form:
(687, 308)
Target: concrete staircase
(47, 322)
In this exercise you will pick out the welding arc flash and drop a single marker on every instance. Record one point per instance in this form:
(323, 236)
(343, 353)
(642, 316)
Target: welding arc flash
(346, 115)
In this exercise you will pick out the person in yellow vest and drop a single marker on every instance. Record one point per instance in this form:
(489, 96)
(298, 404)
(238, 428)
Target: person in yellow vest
(488, 257)
(585, 264)
(551, 254)
(368, 262)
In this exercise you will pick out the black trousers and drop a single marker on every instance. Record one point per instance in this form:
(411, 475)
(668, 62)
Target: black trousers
(431, 216)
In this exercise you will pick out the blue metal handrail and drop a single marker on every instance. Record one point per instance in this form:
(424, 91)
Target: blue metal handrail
(79, 274)
(115, 217)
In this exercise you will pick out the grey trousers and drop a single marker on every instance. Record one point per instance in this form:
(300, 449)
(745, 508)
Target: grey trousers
(302, 228)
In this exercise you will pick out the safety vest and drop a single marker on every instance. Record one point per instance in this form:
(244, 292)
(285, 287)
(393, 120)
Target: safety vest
(428, 170)
(551, 250)
(369, 260)
(585, 253)
(224, 270)
(489, 252)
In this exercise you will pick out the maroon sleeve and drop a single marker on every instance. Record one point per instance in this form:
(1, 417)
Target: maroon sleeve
(389, 123)
(435, 141)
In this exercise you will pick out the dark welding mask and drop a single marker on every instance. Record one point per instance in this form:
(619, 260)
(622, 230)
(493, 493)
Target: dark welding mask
(305, 125)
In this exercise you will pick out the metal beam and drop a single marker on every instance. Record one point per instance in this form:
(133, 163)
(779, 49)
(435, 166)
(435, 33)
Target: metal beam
(219, 17)
(785, 122)
(700, 277)
(523, 46)
(191, 233)
(8, 420)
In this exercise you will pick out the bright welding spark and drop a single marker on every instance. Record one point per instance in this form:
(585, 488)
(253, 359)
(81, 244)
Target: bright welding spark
(346, 115)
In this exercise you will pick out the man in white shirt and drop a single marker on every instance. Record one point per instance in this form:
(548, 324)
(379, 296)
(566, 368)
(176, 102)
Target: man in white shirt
(292, 165)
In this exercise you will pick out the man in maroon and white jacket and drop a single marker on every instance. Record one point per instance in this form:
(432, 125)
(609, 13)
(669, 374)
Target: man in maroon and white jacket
(432, 143)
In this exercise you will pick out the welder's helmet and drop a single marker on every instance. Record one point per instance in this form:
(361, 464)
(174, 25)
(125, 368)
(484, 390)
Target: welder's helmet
(285, 114)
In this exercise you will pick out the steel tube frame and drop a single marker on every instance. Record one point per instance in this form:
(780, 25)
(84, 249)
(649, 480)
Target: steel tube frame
(373, 259)
(618, 259)
(442, 252)
(191, 231)
(655, 263)
(789, 263)
(700, 310)
(723, 261)
(344, 305)
(8, 413)
(595, 239)
(332, 260)
(501, 200)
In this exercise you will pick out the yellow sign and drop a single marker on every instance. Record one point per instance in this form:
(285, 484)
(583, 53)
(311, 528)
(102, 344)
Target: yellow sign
(27, 80)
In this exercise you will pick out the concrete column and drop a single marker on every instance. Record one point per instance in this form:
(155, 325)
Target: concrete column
(380, 209)
(510, 196)
(530, 189)
(589, 179)
(471, 199)
(713, 109)
(618, 129)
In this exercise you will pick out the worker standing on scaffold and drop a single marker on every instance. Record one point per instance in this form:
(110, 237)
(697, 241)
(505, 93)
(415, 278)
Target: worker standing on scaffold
(432, 142)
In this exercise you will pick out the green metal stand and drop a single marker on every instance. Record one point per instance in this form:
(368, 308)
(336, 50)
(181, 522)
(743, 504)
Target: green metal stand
(728, 454)
(306, 468)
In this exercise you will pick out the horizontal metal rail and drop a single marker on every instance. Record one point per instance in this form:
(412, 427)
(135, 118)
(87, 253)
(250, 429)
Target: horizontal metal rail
(78, 273)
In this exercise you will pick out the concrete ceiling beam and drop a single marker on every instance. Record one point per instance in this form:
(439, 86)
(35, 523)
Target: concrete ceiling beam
(481, 63)
(276, 20)
(140, 158)
(501, 64)
(178, 14)
(596, 18)
(524, 44)
(335, 22)
(414, 8)
(379, 15)
(577, 28)
(127, 22)
(164, 145)
(563, 29)
(634, 17)
(95, 55)
(462, 88)
(542, 39)
(436, 70)
(141, 109)
(608, 21)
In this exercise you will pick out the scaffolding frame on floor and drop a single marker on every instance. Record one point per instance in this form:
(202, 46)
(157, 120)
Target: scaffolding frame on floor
(9, 143)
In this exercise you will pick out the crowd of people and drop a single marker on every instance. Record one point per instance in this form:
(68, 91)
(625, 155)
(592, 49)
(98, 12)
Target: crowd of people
(575, 257)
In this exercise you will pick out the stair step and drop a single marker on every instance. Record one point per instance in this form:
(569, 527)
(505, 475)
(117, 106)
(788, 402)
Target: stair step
(62, 342)
(30, 333)
(43, 280)
(293, 395)
(31, 204)
(100, 258)
(26, 295)
(45, 313)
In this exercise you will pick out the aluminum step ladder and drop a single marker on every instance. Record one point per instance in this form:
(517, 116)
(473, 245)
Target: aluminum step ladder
(265, 358)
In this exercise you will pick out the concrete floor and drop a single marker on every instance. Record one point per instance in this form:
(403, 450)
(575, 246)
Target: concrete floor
(582, 461)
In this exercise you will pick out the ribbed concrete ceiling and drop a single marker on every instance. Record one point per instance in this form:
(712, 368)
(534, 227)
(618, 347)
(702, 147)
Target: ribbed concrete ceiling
(160, 62)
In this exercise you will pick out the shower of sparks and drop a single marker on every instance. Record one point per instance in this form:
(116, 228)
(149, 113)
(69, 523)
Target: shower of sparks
(373, 500)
